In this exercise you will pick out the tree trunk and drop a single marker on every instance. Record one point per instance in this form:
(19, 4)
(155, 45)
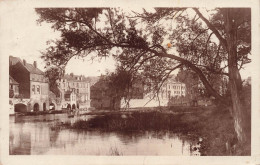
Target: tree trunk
(235, 81)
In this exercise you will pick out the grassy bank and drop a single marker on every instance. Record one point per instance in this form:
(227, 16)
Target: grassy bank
(214, 125)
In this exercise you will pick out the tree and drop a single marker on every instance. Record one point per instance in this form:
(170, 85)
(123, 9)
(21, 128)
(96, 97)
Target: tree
(194, 87)
(191, 81)
(53, 74)
(119, 84)
(217, 43)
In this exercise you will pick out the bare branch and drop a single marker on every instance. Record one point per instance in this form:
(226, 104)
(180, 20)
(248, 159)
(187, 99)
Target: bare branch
(162, 82)
(212, 28)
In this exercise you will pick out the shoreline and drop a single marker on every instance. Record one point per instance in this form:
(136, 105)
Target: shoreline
(212, 124)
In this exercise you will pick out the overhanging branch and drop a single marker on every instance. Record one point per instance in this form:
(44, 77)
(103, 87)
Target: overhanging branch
(212, 28)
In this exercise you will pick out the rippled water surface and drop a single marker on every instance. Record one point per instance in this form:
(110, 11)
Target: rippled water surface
(33, 135)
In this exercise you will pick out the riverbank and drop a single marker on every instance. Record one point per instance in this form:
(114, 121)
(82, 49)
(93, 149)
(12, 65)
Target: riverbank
(40, 113)
(211, 127)
(36, 113)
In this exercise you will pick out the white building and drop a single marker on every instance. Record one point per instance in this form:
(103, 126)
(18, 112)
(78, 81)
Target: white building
(169, 89)
(75, 91)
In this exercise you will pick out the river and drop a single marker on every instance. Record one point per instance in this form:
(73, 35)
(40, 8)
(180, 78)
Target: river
(33, 135)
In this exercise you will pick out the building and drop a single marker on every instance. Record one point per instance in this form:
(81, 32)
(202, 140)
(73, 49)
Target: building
(74, 92)
(33, 86)
(13, 88)
(137, 96)
(13, 93)
(170, 89)
(102, 97)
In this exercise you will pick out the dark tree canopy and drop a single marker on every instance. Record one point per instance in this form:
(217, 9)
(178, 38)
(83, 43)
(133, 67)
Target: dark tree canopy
(212, 43)
(137, 40)
(53, 74)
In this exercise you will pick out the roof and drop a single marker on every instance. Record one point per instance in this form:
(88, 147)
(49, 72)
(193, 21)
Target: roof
(32, 69)
(172, 80)
(12, 81)
(29, 67)
(14, 60)
(74, 78)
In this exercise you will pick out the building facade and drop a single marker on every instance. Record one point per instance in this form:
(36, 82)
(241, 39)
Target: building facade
(13, 88)
(170, 89)
(13, 93)
(33, 86)
(74, 92)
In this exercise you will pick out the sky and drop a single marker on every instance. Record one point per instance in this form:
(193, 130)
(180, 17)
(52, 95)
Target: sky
(26, 39)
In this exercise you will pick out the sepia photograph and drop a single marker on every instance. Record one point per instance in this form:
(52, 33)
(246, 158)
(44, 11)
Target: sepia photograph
(129, 81)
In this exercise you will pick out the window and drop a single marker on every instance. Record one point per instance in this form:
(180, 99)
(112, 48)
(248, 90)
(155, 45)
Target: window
(16, 88)
(33, 89)
(38, 89)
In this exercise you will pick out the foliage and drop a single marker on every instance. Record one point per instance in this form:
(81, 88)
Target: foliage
(211, 45)
(137, 40)
(119, 83)
(53, 74)
(195, 88)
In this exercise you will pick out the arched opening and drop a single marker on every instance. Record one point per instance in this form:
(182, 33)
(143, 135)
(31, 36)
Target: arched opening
(20, 108)
(52, 106)
(73, 106)
(44, 106)
(36, 107)
(78, 105)
(69, 106)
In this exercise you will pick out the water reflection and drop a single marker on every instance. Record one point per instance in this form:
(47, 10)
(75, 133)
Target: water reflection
(31, 135)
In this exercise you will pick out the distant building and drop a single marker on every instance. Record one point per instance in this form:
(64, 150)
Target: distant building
(137, 96)
(33, 86)
(170, 89)
(74, 91)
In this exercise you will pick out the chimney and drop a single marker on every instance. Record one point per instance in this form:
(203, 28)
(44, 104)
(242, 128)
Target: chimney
(24, 62)
(35, 64)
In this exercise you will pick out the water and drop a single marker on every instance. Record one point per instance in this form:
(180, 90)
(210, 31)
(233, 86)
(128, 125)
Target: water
(32, 135)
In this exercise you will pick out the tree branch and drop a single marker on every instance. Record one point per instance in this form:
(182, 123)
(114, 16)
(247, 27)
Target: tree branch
(158, 89)
(212, 28)
(197, 70)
